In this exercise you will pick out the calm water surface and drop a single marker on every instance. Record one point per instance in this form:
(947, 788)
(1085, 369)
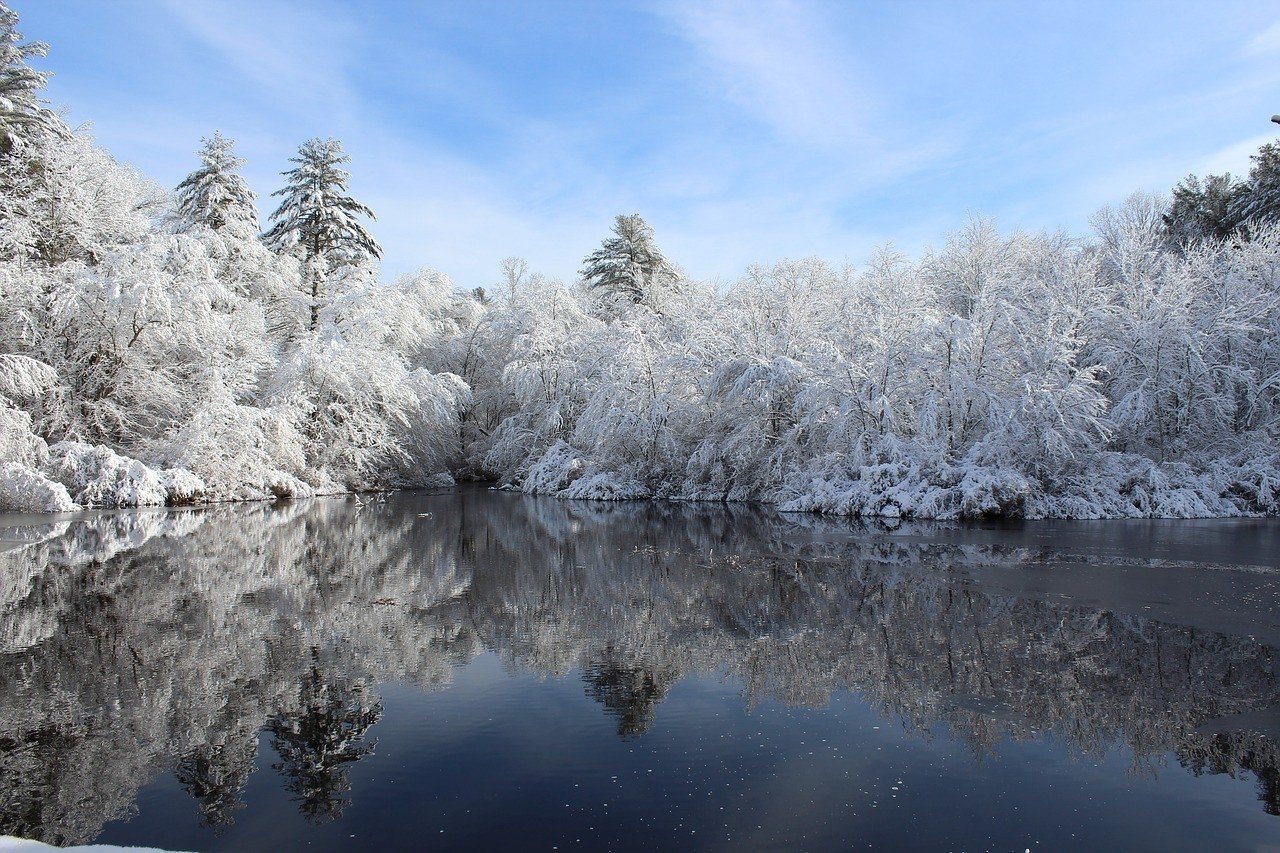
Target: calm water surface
(489, 671)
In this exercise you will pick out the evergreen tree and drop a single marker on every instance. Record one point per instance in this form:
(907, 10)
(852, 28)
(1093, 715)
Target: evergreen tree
(22, 113)
(215, 195)
(318, 220)
(1204, 210)
(1260, 201)
(628, 265)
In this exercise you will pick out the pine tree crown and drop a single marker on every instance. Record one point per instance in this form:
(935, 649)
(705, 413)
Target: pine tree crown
(316, 216)
(214, 195)
(629, 263)
(22, 111)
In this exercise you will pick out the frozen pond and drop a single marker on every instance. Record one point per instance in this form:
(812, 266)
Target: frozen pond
(481, 670)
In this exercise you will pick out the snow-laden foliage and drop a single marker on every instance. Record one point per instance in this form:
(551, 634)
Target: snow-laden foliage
(1026, 375)
(172, 367)
(1208, 210)
(242, 451)
(215, 195)
(62, 199)
(315, 213)
(98, 476)
(319, 223)
(1259, 198)
(628, 266)
(22, 111)
(153, 349)
(26, 490)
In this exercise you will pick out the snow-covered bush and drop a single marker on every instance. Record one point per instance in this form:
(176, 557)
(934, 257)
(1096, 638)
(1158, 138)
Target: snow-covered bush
(241, 452)
(95, 475)
(26, 490)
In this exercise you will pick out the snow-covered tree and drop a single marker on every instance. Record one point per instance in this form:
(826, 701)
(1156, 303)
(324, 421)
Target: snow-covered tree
(628, 265)
(22, 112)
(63, 199)
(215, 195)
(318, 220)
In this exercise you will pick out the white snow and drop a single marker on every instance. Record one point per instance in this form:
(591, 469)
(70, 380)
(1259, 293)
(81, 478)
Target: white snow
(11, 844)
(25, 490)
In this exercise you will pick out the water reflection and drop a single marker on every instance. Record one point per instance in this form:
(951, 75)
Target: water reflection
(134, 643)
(317, 741)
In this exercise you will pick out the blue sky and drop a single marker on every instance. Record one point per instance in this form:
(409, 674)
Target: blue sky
(742, 131)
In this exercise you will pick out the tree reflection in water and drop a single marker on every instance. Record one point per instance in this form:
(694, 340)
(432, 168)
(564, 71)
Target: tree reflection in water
(317, 742)
(629, 694)
(132, 643)
(214, 776)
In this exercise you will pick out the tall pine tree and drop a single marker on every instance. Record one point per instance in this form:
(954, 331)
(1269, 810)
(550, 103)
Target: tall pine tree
(22, 112)
(628, 265)
(318, 220)
(215, 195)
(1204, 210)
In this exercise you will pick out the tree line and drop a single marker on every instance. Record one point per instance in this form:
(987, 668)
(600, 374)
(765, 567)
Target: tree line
(158, 348)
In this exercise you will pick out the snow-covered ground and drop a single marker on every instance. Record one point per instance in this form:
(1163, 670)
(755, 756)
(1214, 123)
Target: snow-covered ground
(9, 844)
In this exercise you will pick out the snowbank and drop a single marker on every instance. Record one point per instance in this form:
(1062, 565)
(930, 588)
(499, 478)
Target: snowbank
(11, 844)
(72, 475)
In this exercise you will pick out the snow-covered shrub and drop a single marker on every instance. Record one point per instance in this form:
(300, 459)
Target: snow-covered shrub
(25, 490)
(555, 470)
(98, 476)
(22, 380)
(240, 452)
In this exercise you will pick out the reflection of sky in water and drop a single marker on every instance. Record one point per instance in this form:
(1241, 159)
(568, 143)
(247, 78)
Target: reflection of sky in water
(512, 671)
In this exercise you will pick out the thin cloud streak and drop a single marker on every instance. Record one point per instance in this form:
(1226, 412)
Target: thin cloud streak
(773, 61)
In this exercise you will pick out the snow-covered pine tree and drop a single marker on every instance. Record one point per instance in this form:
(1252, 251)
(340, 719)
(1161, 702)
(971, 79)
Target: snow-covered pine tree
(215, 195)
(628, 266)
(1260, 201)
(318, 220)
(22, 113)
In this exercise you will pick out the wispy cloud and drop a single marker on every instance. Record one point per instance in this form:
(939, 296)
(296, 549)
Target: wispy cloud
(295, 55)
(1265, 43)
(775, 62)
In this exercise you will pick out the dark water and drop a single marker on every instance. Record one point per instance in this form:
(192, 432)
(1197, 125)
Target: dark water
(489, 671)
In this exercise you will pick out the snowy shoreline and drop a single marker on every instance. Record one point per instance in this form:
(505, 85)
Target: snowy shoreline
(1147, 492)
(13, 844)
(963, 501)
